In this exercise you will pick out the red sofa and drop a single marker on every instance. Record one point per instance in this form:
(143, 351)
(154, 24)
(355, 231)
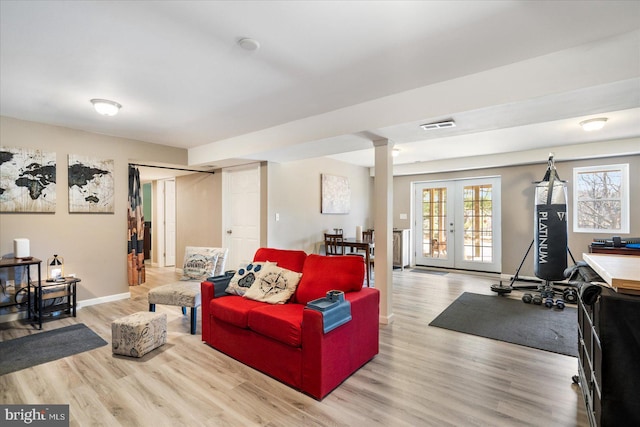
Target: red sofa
(286, 341)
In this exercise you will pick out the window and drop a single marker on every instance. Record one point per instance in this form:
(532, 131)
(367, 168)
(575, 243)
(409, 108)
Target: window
(434, 217)
(478, 224)
(601, 199)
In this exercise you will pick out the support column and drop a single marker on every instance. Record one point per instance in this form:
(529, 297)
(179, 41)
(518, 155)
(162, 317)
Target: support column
(383, 225)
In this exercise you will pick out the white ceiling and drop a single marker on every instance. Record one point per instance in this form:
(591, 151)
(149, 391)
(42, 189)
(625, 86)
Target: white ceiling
(183, 81)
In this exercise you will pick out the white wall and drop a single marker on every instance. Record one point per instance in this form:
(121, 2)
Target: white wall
(293, 192)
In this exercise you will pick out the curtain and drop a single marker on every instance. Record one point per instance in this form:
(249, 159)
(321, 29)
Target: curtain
(135, 257)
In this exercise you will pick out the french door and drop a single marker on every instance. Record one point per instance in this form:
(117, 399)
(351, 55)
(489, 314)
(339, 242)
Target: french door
(458, 224)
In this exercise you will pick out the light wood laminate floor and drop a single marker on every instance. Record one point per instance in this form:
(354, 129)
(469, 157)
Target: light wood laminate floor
(423, 376)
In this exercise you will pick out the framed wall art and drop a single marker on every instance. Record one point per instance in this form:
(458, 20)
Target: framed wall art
(91, 186)
(27, 180)
(336, 194)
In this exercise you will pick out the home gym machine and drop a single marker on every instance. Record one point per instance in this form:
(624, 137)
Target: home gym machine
(549, 244)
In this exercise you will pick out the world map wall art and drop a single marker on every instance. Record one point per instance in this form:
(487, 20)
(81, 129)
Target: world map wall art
(27, 180)
(91, 187)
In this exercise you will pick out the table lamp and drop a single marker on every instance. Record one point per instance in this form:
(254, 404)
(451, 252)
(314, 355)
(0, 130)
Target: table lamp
(55, 268)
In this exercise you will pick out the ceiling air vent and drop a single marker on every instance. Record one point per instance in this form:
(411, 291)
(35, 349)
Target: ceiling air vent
(439, 125)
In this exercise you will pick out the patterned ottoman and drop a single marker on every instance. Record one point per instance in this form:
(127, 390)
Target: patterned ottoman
(181, 294)
(139, 333)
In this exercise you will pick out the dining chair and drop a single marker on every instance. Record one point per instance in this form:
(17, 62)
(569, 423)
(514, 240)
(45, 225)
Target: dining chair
(333, 244)
(368, 237)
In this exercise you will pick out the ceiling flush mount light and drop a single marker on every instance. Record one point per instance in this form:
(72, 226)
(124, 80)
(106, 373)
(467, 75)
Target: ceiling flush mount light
(249, 44)
(106, 107)
(593, 124)
(439, 125)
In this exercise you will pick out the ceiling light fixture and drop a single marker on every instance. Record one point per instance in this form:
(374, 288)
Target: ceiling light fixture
(249, 44)
(395, 152)
(593, 124)
(450, 123)
(106, 107)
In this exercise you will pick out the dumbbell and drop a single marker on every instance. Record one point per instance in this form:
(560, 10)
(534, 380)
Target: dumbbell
(548, 302)
(560, 304)
(537, 300)
(527, 298)
(570, 295)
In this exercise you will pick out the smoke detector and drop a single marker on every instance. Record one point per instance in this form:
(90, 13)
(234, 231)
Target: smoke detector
(450, 123)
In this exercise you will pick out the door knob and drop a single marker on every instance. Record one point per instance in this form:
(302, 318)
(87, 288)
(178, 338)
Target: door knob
(229, 231)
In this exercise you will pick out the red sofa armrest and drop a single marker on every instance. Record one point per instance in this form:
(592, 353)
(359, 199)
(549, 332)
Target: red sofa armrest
(328, 359)
(213, 287)
(207, 293)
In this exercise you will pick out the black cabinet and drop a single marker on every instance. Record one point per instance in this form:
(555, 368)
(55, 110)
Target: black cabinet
(609, 358)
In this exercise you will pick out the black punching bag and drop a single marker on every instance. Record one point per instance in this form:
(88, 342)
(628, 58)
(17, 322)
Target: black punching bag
(550, 259)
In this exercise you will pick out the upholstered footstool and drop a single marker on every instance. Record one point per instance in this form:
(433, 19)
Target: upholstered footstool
(181, 294)
(139, 333)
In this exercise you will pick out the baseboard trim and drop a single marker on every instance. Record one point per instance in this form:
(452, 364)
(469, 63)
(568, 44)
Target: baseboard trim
(386, 320)
(102, 300)
(10, 317)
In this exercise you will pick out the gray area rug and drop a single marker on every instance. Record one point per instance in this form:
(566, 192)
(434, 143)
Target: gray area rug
(43, 347)
(513, 321)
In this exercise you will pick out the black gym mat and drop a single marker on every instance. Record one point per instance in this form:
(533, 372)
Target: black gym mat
(511, 320)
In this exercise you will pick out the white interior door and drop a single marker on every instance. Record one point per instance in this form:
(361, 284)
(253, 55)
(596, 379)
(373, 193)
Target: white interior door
(458, 224)
(241, 216)
(169, 222)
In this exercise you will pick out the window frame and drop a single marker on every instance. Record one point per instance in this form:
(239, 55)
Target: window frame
(624, 198)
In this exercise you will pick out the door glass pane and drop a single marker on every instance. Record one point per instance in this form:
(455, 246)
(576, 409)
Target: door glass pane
(478, 234)
(434, 222)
